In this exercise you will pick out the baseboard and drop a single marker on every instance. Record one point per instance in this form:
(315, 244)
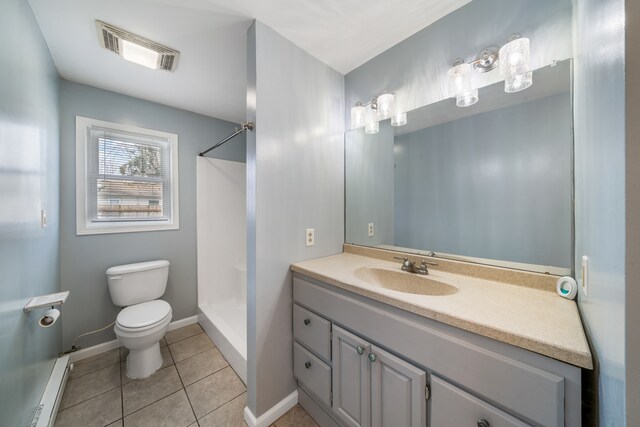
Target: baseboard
(182, 322)
(110, 345)
(269, 417)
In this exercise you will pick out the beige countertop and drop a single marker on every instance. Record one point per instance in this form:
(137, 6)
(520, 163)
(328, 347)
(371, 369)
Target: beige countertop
(526, 317)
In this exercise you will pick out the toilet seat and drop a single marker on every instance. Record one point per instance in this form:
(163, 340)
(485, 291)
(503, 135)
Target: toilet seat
(140, 317)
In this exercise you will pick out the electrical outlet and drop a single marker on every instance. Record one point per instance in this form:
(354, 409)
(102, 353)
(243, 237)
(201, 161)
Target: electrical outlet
(371, 229)
(585, 275)
(310, 237)
(43, 218)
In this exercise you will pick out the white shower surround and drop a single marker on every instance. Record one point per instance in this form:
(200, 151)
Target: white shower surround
(222, 250)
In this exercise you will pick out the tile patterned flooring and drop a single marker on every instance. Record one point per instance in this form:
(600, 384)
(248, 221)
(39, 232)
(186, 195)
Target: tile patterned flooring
(194, 387)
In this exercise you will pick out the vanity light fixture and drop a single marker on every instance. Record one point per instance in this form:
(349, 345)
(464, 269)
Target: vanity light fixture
(513, 57)
(460, 81)
(136, 48)
(514, 64)
(379, 108)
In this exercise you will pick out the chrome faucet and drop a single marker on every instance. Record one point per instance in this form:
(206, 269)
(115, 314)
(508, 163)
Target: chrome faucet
(413, 267)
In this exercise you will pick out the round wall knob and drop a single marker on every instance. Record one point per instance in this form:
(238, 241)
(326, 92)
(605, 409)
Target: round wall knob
(483, 423)
(360, 350)
(372, 357)
(307, 321)
(308, 365)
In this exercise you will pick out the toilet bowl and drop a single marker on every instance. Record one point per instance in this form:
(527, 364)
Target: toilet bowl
(144, 320)
(140, 328)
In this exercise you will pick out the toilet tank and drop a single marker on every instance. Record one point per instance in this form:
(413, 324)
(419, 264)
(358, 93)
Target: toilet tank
(136, 283)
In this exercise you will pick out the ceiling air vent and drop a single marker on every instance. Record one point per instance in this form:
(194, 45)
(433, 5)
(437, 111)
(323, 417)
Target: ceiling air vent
(137, 49)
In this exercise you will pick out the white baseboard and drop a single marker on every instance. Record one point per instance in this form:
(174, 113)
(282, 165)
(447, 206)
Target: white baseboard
(269, 417)
(182, 322)
(110, 345)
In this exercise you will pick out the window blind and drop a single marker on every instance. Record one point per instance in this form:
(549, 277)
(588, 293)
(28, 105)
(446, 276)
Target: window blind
(129, 176)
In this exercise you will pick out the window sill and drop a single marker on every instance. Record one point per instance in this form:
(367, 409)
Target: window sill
(123, 228)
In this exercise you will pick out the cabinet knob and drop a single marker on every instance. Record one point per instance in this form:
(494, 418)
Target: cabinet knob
(372, 357)
(308, 365)
(360, 350)
(483, 423)
(307, 321)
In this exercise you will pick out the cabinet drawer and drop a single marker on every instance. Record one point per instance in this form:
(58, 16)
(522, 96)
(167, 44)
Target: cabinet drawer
(313, 373)
(313, 331)
(451, 406)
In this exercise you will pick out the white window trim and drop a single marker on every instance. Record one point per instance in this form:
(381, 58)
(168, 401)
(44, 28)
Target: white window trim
(83, 222)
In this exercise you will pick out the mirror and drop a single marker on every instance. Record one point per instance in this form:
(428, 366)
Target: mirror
(490, 183)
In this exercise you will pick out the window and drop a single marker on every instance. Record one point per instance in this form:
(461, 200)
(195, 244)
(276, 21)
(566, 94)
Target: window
(126, 178)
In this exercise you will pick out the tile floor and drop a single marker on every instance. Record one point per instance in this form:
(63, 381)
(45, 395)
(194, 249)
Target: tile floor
(194, 387)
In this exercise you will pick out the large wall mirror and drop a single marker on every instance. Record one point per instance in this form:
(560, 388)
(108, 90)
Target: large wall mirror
(490, 183)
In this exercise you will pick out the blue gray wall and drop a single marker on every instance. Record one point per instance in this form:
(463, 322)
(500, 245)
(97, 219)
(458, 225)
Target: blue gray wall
(29, 168)
(599, 121)
(369, 177)
(84, 259)
(483, 185)
(295, 180)
(416, 68)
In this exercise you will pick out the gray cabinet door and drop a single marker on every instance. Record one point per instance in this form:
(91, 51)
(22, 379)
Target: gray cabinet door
(351, 378)
(397, 391)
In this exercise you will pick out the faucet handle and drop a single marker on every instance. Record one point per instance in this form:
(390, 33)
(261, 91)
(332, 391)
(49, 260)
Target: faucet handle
(403, 258)
(425, 263)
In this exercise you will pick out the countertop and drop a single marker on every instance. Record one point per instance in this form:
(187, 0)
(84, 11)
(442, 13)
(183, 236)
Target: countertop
(526, 317)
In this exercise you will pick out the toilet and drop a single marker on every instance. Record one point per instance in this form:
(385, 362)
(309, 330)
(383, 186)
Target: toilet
(144, 319)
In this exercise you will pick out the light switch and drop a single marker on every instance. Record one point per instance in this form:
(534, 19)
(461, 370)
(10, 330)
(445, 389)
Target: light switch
(43, 218)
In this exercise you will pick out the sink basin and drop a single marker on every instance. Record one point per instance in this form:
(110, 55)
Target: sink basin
(408, 283)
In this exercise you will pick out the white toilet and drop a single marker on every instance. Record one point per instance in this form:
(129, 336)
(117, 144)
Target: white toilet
(143, 322)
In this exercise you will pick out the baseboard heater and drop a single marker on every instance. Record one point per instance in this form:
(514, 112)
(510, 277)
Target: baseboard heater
(46, 411)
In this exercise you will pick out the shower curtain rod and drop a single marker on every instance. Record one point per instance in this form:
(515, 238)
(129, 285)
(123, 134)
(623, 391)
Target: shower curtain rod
(243, 127)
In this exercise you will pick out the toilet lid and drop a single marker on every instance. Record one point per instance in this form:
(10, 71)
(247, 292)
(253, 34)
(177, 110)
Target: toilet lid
(145, 314)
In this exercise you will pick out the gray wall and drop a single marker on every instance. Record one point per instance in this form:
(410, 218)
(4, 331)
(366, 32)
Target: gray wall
(495, 185)
(29, 168)
(295, 167)
(370, 187)
(416, 68)
(599, 121)
(84, 259)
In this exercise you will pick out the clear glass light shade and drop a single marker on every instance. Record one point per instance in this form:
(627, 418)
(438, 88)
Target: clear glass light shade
(357, 117)
(385, 106)
(518, 82)
(460, 83)
(399, 119)
(371, 121)
(515, 66)
(139, 54)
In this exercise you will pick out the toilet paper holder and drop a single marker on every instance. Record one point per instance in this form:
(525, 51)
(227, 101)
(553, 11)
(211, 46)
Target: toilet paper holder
(50, 300)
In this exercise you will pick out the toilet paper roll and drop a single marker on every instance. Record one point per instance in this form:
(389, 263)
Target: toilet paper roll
(49, 318)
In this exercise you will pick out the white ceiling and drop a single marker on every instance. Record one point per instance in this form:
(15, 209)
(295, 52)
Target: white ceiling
(211, 37)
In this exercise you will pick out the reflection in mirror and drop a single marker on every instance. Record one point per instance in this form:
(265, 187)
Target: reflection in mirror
(489, 183)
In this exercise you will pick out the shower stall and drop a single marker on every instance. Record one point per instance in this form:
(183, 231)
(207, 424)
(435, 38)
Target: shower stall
(222, 249)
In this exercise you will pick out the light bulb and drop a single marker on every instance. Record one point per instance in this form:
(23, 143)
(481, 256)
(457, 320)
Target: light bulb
(460, 82)
(385, 106)
(515, 64)
(357, 116)
(371, 121)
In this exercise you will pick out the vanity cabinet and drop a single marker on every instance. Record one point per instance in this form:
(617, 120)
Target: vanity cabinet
(373, 387)
(360, 362)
